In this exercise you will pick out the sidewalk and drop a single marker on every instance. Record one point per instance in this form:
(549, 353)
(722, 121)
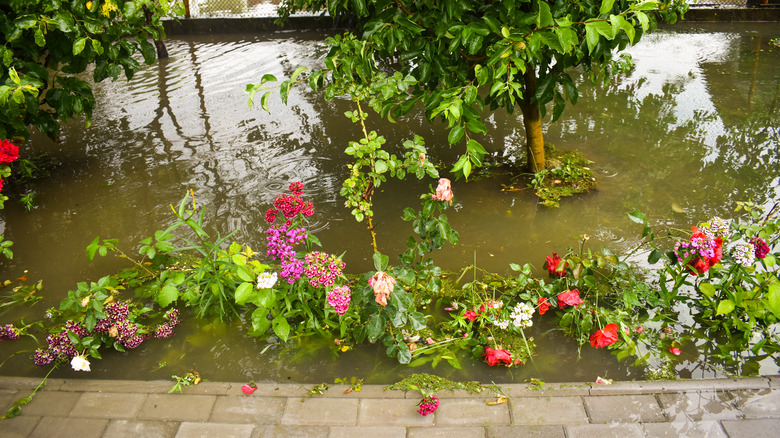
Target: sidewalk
(747, 407)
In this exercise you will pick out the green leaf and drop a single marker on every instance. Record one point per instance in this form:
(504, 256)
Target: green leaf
(638, 217)
(606, 6)
(245, 292)
(376, 326)
(544, 18)
(281, 327)
(725, 307)
(654, 256)
(456, 134)
(772, 299)
(244, 274)
(707, 289)
(260, 322)
(380, 261)
(167, 295)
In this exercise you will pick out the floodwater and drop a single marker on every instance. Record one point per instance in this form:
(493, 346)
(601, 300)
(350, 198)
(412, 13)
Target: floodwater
(691, 130)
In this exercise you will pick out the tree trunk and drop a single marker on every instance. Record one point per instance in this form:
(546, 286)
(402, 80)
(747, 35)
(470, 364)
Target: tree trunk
(532, 121)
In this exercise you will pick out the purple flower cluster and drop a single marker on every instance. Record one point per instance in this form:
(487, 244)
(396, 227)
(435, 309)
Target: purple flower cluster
(428, 405)
(322, 269)
(701, 244)
(165, 330)
(280, 246)
(9, 332)
(118, 327)
(60, 349)
(339, 299)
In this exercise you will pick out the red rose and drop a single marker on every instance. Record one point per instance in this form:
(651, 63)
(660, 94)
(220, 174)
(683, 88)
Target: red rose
(495, 357)
(760, 247)
(543, 304)
(606, 336)
(675, 351)
(569, 298)
(552, 265)
(699, 265)
(8, 152)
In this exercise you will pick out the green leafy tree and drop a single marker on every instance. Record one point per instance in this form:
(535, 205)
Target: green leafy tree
(46, 45)
(461, 57)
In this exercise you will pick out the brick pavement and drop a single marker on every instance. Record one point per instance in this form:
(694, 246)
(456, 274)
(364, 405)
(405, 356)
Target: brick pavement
(748, 407)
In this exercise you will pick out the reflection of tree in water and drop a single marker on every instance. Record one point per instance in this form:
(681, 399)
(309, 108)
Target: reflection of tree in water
(704, 160)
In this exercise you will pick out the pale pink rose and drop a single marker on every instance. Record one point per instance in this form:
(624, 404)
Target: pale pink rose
(383, 285)
(443, 191)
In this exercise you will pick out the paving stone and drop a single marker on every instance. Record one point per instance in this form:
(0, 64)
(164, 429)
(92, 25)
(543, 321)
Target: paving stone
(24, 384)
(615, 430)
(698, 406)
(177, 407)
(374, 411)
(548, 410)
(471, 412)
(525, 431)
(286, 431)
(248, 409)
(623, 408)
(124, 386)
(56, 427)
(447, 432)
(51, 403)
(272, 390)
(18, 427)
(111, 405)
(208, 430)
(688, 429)
(774, 382)
(762, 403)
(564, 389)
(141, 428)
(752, 428)
(325, 411)
(367, 431)
(207, 388)
(8, 397)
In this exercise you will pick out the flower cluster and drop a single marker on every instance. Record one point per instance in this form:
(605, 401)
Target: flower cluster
(554, 267)
(604, 337)
(383, 285)
(290, 205)
(761, 248)
(267, 280)
(339, 299)
(521, 315)
(165, 330)
(444, 191)
(280, 246)
(704, 249)
(8, 154)
(322, 269)
(9, 332)
(744, 254)
(428, 405)
(60, 349)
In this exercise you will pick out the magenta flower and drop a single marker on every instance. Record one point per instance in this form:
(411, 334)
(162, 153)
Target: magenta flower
(339, 299)
(428, 405)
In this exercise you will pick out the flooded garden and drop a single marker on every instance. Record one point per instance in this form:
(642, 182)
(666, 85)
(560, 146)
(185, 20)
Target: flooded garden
(686, 135)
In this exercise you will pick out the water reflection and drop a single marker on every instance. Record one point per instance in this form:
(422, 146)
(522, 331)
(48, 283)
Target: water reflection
(690, 131)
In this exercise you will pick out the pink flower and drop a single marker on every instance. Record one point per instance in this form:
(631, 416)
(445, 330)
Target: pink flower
(429, 341)
(569, 298)
(639, 329)
(339, 299)
(249, 388)
(428, 405)
(444, 191)
(383, 285)
(675, 351)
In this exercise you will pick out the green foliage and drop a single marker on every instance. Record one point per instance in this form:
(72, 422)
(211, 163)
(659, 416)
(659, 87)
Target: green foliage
(47, 44)
(458, 58)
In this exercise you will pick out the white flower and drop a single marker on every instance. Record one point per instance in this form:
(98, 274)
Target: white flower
(267, 280)
(521, 315)
(80, 363)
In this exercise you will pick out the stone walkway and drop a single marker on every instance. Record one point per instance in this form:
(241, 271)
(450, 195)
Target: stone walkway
(101, 408)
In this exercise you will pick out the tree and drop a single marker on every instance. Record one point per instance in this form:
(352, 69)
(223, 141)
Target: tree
(459, 57)
(47, 44)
